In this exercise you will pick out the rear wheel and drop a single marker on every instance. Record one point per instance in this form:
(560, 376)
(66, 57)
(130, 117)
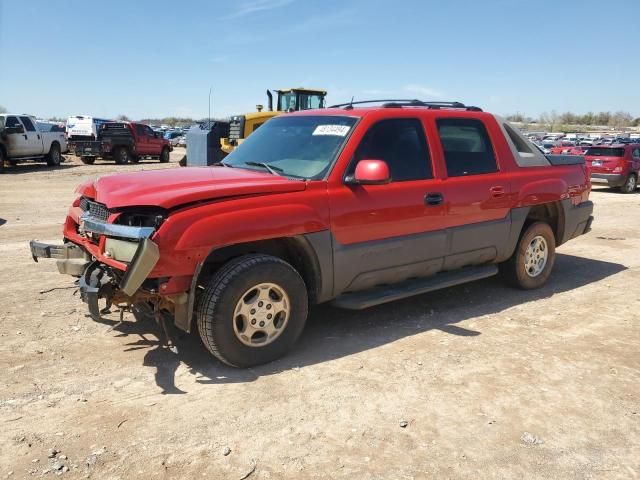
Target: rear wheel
(164, 155)
(530, 265)
(2, 160)
(253, 310)
(630, 184)
(54, 156)
(121, 155)
(88, 160)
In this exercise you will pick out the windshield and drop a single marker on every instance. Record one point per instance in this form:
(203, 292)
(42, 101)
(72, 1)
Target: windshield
(294, 146)
(605, 152)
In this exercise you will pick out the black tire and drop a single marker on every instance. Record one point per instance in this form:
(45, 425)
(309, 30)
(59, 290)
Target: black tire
(121, 155)
(218, 303)
(88, 160)
(515, 271)
(54, 157)
(2, 160)
(164, 156)
(135, 159)
(630, 184)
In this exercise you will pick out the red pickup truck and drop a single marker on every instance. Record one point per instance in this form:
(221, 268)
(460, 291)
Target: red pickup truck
(353, 205)
(124, 142)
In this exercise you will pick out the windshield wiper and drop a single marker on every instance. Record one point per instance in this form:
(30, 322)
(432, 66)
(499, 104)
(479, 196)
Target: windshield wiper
(272, 170)
(222, 164)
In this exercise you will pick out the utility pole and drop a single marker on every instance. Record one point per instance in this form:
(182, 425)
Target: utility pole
(209, 123)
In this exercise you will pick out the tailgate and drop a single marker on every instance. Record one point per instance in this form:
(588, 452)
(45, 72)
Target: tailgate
(88, 148)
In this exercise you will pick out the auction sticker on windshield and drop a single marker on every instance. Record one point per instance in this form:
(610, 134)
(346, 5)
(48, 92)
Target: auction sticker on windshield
(337, 130)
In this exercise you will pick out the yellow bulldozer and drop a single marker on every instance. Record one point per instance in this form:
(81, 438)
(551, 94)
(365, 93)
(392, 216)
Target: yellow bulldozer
(288, 100)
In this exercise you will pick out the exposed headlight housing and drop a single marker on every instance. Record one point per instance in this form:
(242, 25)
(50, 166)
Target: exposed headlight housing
(148, 218)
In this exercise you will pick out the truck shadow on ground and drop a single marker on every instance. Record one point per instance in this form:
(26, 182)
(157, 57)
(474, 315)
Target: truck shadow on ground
(334, 333)
(23, 168)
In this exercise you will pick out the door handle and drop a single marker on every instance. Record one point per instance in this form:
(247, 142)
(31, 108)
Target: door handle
(433, 198)
(25, 136)
(497, 192)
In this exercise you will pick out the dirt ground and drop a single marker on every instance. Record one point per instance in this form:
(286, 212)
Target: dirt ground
(491, 382)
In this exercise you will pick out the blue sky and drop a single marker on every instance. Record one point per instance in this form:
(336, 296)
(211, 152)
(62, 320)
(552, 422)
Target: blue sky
(156, 58)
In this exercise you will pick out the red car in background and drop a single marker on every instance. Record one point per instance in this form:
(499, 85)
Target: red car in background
(563, 147)
(615, 165)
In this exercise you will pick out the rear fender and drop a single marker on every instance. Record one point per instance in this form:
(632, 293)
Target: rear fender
(542, 191)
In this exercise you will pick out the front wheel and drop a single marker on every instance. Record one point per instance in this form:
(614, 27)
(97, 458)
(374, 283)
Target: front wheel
(164, 155)
(2, 160)
(530, 265)
(253, 310)
(630, 184)
(54, 156)
(88, 160)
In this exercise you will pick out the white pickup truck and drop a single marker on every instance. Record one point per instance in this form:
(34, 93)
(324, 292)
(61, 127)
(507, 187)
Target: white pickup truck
(22, 139)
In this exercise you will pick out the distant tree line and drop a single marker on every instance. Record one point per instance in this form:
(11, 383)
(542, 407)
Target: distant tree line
(553, 119)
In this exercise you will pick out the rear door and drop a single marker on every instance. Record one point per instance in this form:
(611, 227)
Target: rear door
(33, 144)
(476, 193)
(391, 232)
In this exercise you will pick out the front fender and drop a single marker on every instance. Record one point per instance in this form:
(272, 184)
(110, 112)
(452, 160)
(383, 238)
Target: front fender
(248, 225)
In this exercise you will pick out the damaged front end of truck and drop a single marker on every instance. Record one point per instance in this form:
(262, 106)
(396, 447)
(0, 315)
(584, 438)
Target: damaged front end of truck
(112, 254)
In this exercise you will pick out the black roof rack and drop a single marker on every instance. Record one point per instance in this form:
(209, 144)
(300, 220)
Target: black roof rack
(399, 103)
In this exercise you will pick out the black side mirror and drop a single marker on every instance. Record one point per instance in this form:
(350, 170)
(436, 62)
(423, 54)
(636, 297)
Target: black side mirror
(17, 129)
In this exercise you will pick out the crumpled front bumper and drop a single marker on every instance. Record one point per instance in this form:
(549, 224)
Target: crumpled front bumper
(71, 259)
(98, 280)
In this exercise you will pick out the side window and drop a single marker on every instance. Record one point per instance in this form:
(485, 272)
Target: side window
(401, 144)
(28, 124)
(467, 148)
(148, 131)
(140, 130)
(636, 153)
(13, 122)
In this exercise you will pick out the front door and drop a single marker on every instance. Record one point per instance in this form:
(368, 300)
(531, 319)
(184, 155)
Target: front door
(388, 233)
(18, 142)
(34, 140)
(154, 141)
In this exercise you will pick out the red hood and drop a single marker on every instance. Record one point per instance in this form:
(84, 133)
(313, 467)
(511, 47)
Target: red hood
(173, 187)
